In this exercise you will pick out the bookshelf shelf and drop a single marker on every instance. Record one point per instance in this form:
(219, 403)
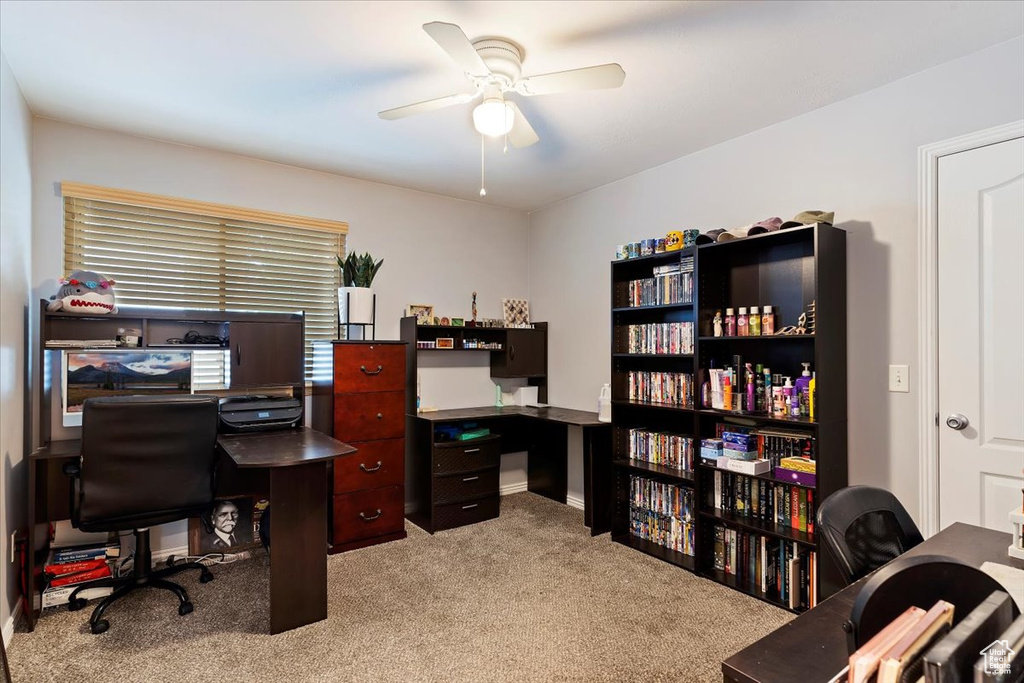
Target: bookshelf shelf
(645, 404)
(758, 526)
(658, 307)
(732, 581)
(761, 338)
(760, 417)
(652, 355)
(684, 477)
(659, 551)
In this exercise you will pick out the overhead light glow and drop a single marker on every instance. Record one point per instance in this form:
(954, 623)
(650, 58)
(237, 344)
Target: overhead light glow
(493, 117)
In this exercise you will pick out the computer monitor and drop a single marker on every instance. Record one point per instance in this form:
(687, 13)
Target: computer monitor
(86, 374)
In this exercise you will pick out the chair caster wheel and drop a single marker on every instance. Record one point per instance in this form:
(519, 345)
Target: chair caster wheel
(100, 626)
(206, 578)
(185, 608)
(76, 604)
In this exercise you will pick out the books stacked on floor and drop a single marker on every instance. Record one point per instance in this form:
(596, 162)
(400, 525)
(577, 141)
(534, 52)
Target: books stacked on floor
(661, 338)
(666, 388)
(671, 284)
(662, 514)
(925, 645)
(782, 570)
(763, 500)
(72, 566)
(661, 448)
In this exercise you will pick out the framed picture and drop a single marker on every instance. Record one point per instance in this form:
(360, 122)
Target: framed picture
(445, 342)
(233, 526)
(424, 313)
(458, 322)
(445, 322)
(516, 312)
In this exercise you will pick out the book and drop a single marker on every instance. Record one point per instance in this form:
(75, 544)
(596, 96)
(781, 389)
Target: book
(907, 649)
(80, 577)
(1011, 671)
(950, 660)
(73, 567)
(864, 662)
(58, 596)
(86, 552)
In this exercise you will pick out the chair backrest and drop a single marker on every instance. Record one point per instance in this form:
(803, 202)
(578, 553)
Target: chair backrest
(864, 527)
(146, 460)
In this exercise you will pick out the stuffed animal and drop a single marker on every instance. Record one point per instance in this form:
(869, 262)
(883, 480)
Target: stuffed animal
(84, 292)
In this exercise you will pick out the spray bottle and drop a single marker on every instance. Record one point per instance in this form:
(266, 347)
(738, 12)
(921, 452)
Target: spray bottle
(803, 391)
(750, 389)
(787, 399)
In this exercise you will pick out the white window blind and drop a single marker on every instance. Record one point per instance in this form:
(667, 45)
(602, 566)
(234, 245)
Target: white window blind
(183, 254)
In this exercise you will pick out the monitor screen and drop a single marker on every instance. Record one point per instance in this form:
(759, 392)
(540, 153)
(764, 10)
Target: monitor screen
(87, 374)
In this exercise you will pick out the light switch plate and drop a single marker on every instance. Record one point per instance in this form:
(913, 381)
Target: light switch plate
(899, 378)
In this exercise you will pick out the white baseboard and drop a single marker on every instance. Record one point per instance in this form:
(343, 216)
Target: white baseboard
(509, 489)
(574, 502)
(8, 627)
(161, 555)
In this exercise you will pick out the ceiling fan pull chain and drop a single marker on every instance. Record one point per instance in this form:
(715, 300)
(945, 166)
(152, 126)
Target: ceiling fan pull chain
(483, 191)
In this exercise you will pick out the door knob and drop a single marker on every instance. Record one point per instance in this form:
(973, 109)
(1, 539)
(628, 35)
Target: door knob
(957, 421)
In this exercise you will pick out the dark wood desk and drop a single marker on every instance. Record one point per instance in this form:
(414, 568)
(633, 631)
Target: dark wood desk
(543, 434)
(812, 647)
(296, 462)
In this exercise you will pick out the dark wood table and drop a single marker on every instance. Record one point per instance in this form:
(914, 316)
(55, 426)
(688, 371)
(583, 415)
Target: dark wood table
(812, 647)
(297, 461)
(545, 439)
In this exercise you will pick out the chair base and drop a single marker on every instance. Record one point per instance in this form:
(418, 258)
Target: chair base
(141, 577)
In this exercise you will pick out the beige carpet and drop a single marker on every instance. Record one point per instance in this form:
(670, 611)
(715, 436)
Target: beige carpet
(529, 596)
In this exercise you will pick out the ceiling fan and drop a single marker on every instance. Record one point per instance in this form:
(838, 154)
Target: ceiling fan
(494, 67)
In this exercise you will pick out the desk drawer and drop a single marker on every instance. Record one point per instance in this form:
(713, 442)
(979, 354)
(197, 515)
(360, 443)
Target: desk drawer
(461, 514)
(369, 367)
(369, 417)
(465, 486)
(467, 456)
(365, 514)
(375, 465)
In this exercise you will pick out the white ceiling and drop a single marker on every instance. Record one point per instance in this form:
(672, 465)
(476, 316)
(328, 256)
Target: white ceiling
(302, 82)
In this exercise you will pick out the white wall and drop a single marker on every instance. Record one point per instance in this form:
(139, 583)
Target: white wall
(15, 231)
(857, 157)
(436, 250)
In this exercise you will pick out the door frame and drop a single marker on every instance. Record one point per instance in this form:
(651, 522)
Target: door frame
(927, 306)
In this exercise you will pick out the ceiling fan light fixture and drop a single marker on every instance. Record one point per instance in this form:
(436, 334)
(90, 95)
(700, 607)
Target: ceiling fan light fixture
(493, 117)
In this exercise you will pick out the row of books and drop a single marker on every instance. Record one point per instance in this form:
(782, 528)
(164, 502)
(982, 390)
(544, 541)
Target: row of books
(673, 287)
(667, 388)
(763, 500)
(925, 646)
(662, 513)
(661, 338)
(669, 532)
(661, 497)
(777, 445)
(782, 570)
(661, 448)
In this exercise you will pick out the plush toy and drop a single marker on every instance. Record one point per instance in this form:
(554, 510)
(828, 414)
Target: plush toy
(84, 292)
(674, 241)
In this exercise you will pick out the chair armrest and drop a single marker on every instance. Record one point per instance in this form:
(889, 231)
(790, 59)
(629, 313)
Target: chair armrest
(72, 469)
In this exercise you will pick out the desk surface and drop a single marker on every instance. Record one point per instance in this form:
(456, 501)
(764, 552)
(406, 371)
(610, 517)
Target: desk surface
(812, 647)
(580, 418)
(281, 449)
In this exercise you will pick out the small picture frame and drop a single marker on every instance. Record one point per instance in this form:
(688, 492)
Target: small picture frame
(231, 526)
(516, 312)
(458, 322)
(445, 322)
(445, 343)
(424, 313)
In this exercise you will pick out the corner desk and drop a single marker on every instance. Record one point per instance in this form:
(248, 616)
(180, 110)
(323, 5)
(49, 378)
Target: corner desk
(439, 497)
(812, 647)
(295, 462)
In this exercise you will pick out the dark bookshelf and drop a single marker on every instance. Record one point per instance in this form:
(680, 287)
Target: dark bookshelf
(661, 552)
(787, 269)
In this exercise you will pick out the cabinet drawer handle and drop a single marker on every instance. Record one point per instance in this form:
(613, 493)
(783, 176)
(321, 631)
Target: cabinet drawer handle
(363, 516)
(470, 478)
(470, 507)
(380, 416)
(471, 450)
(380, 368)
(364, 468)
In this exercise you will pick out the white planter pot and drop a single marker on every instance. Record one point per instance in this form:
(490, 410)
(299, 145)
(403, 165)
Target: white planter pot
(360, 305)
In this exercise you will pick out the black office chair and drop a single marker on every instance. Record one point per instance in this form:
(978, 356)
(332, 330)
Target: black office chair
(863, 528)
(146, 460)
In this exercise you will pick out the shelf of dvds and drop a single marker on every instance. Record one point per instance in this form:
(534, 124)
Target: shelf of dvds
(755, 537)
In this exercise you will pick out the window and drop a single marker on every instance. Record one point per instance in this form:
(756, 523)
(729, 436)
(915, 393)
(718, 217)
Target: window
(183, 254)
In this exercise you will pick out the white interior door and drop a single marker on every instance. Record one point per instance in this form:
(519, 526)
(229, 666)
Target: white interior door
(981, 334)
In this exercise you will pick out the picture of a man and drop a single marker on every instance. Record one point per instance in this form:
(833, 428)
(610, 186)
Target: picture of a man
(230, 525)
(225, 519)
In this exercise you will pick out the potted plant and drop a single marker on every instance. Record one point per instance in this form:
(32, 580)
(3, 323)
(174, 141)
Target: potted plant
(355, 299)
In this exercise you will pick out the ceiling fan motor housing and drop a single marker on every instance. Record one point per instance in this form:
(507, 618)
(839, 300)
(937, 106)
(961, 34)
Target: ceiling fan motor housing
(503, 58)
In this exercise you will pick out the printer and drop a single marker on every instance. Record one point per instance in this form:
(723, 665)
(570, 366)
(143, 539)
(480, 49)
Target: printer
(259, 413)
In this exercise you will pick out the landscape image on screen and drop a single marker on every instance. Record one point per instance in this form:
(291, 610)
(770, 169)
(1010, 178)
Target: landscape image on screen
(125, 374)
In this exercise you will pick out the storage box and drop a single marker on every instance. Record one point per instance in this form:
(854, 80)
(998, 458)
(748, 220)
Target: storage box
(526, 396)
(749, 466)
(799, 464)
(740, 455)
(791, 476)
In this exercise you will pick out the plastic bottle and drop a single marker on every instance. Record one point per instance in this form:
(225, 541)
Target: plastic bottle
(768, 391)
(767, 322)
(813, 386)
(754, 322)
(730, 323)
(417, 392)
(750, 389)
(803, 392)
(741, 322)
(778, 401)
(604, 404)
(497, 396)
(758, 389)
(787, 399)
(727, 391)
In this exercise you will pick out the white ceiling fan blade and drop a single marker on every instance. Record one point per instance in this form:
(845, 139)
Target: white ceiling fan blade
(428, 105)
(453, 41)
(522, 133)
(588, 78)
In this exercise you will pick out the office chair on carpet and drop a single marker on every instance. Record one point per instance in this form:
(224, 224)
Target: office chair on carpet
(863, 528)
(145, 460)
